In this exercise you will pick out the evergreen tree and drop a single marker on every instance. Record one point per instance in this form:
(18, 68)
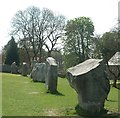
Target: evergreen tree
(12, 52)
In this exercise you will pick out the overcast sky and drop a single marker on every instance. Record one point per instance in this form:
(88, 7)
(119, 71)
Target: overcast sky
(103, 13)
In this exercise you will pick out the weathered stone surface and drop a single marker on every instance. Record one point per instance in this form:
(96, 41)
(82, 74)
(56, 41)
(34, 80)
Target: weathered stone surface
(14, 68)
(114, 67)
(38, 72)
(115, 60)
(51, 74)
(24, 69)
(33, 64)
(5, 68)
(91, 84)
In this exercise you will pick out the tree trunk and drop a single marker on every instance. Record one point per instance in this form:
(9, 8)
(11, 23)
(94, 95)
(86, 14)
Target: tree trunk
(83, 48)
(79, 52)
(40, 55)
(28, 55)
(114, 84)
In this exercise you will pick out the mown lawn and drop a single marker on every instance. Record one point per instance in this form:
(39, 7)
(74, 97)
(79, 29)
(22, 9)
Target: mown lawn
(0, 95)
(23, 97)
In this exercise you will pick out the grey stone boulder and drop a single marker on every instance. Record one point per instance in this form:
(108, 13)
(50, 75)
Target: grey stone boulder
(5, 68)
(38, 72)
(24, 69)
(51, 75)
(14, 68)
(89, 79)
(33, 64)
(114, 67)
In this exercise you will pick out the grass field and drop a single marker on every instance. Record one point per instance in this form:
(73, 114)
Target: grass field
(0, 95)
(23, 97)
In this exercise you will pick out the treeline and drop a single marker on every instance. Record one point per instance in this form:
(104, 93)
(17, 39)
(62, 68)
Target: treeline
(38, 34)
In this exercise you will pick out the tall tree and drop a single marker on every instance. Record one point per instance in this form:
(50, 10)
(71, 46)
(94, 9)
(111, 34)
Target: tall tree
(97, 47)
(12, 52)
(77, 42)
(35, 28)
(109, 44)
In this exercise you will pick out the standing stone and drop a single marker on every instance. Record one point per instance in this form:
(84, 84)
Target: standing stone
(5, 68)
(14, 68)
(33, 64)
(51, 75)
(91, 84)
(114, 67)
(38, 72)
(24, 69)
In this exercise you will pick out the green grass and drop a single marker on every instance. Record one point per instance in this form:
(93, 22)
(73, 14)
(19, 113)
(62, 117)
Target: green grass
(22, 97)
(113, 102)
(0, 94)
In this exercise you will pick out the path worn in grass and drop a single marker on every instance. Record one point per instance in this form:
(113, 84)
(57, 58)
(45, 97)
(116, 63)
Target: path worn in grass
(22, 97)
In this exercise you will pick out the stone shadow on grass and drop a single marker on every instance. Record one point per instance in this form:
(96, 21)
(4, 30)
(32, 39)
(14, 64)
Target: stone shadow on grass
(111, 100)
(37, 81)
(55, 93)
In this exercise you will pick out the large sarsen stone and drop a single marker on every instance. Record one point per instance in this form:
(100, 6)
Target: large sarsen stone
(38, 72)
(114, 67)
(24, 69)
(90, 81)
(14, 68)
(33, 64)
(51, 74)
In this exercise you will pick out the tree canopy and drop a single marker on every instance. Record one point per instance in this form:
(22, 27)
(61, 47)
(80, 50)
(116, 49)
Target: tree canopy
(38, 32)
(35, 28)
(78, 40)
(107, 45)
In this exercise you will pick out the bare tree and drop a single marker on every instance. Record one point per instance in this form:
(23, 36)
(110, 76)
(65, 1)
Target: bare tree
(24, 26)
(35, 28)
(56, 31)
